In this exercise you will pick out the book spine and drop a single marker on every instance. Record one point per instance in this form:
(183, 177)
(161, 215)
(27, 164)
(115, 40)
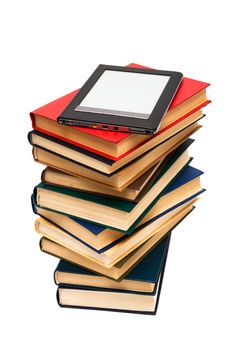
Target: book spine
(33, 203)
(40, 245)
(43, 175)
(30, 137)
(57, 297)
(33, 120)
(34, 196)
(54, 275)
(162, 276)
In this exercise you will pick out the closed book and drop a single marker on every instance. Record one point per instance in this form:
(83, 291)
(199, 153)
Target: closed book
(119, 251)
(134, 192)
(149, 227)
(102, 164)
(114, 213)
(120, 179)
(123, 267)
(191, 96)
(184, 189)
(143, 278)
(139, 292)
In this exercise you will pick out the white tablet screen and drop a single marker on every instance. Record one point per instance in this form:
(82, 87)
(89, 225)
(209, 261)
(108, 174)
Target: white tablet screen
(127, 94)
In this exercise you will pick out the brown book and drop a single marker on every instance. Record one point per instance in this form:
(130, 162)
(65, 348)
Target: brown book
(134, 192)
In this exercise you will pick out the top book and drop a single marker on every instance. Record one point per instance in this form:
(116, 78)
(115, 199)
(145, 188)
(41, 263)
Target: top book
(190, 97)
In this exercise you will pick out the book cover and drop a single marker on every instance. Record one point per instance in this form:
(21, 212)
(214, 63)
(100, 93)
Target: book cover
(188, 88)
(119, 204)
(188, 175)
(125, 206)
(113, 178)
(116, 204)
(152, 267)
(102, 229)
(141, 184)
(119, 270)
(148, 270)
(95, 162)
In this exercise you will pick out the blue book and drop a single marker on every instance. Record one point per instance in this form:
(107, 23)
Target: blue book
(101, 238)
(143, 278)
(138, 292)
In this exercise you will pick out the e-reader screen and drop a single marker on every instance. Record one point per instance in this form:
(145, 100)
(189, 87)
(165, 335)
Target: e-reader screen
(128, 94)
(126, 99)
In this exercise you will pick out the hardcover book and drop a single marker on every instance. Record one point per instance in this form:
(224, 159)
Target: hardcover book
(138, 292)
(119, 251)
(109, 200)
(143, 278)
(115, 213)
(100, 163)
(121, 269)
(184, 189)
(120, 179)
(191, 96)
(134, 192)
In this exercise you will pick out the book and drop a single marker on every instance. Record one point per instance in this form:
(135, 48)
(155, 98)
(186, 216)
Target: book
(100, 163)
(118, 271)
(108, 202)
(184, 189)
(115, 213)
(133, 192)
(121, 179)
(106, 300)
(159, 215)
(116, 253)
(139, 292)
(191, 96)
(143, 278)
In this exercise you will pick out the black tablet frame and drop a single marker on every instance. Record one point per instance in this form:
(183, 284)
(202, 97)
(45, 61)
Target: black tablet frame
(120, 123)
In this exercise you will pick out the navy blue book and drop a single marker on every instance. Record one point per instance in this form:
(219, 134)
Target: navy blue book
(143, 278)
(101, 238)
(138, 292)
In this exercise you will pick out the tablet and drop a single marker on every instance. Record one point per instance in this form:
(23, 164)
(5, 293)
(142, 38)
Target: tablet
(123, 99)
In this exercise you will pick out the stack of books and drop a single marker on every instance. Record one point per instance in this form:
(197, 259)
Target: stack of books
(108, 201)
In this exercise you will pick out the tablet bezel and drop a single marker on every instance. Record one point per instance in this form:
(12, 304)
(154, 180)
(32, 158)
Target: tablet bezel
(120, 123)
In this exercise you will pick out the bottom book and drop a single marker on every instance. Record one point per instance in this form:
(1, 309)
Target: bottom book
(138, 292)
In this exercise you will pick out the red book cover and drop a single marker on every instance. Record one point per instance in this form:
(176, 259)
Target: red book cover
(52, 110)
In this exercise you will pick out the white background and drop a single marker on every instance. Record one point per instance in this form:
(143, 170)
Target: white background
(49, 48)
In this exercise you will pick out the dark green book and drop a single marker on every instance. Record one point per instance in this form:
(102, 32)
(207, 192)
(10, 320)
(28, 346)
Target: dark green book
(115, 213)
